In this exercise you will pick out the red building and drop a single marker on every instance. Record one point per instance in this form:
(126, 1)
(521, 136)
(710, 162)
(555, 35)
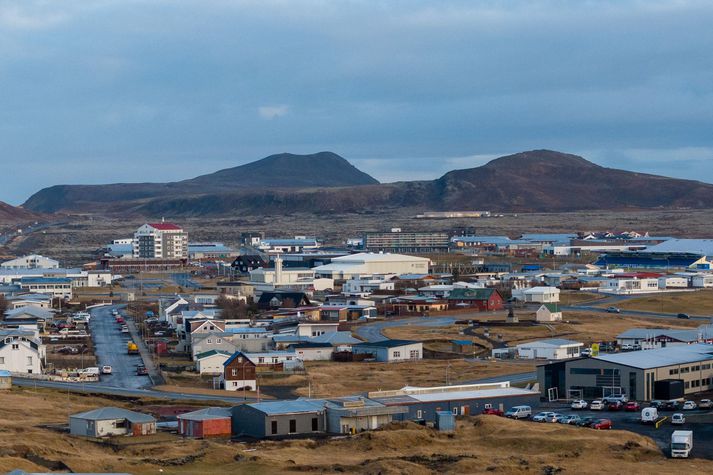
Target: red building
(209, 422)
(484, 300)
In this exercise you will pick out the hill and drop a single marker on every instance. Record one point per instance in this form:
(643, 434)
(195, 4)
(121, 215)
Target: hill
(12, 214)
(285, 170)
(533, 181)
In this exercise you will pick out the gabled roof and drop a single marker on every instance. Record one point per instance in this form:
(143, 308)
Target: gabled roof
(552, 307)
(111, 413)
(660, 357)
(32, 311)
(556, 342)
(309, 344)
(471, 294)
(208, 354)
(646, 333)
(289, 407)
(165, 226)
(209, 413)
(387, 343)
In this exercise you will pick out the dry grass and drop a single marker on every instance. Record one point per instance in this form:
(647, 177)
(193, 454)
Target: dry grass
(481, 444)
(699, 302)
(575, 298)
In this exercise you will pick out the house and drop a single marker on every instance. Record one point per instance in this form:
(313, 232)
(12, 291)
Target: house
(33, 261)
(484, 300)
(206, 342)
(316, 328)
(365, 285)
(625, 285)
(391, 350)
(55, 286)
(415, 305)
(296, 245)
(673, 282)
(311, 351)
(340, 341)
(551, 349)
(274, 300)
(29, 300)
(108, 421)
(239, 373)
(247, 263)
(540, 294)
(276, 419)
(701, 281)
(30, 313)
(208, 422)
(21, 351)
(352, 414)
(211, 362)
(648, 338)
(549, 312)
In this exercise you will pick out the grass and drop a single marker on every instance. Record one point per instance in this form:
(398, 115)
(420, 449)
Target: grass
(575, 298)
(699, 302)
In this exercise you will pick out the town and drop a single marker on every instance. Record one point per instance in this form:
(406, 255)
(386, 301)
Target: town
(292, 337)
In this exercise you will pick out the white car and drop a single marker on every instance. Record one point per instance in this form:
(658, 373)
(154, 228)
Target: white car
(579, 404)
(596, 405)
(544, 417)
(678, 419)
(106, 369)
(689, 406)
(705, 404)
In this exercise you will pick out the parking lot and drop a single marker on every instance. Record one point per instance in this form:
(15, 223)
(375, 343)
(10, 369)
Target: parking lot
(699, 421)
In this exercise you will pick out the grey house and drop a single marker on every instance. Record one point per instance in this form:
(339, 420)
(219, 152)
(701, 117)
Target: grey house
(279, 418)
(108, 421)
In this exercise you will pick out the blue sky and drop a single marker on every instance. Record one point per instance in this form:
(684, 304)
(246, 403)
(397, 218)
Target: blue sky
(132, 90)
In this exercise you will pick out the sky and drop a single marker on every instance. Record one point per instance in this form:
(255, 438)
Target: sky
(110, 91)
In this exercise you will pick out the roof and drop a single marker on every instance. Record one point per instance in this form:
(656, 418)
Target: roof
(650, 333)
(462, 342)
(387, 343)
(477, 394)
(364, 257)
(471, 294)
(273, 408)
(207, 354)
(702, 247)
(552, 307)
(110, 413)
(33, 311)
(45, 280)
(207, 414)
(552, 342)
(246, 330)
(660, 357)
(336, 338)
(310, 344)
(165, 226)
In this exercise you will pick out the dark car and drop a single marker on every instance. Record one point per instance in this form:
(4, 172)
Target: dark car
(601, 424)
(142, 371)
(683, 315)
(586, 421)
(669, 406)
(615, 406)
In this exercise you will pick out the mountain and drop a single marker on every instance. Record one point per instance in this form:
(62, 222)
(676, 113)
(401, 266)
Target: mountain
(12, 214)
(285, 170)
(533, 181)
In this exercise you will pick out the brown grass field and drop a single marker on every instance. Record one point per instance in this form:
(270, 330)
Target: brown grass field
(483, 444)
(699, 302)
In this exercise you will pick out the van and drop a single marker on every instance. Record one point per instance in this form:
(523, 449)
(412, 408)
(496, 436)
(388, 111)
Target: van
(519, 412)
(649, 415)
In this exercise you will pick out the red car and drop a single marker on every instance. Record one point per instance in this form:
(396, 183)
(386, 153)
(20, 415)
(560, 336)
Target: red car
(615, 406)
(632, 406)
(601, 424)
(493, 411)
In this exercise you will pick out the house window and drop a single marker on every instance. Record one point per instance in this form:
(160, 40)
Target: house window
(414, 354)
(235, 371)
(293, 426)
(210, 341)
(273, 427)
(455, 411)
(397, 354)
(15, 346)
(261, 360)
(419, 414)
(29, 361)
(218, 340)
(315, 424)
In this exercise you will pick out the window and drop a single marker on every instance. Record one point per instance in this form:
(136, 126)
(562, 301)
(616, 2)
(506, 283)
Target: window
(455, 411)
(15, 346)
(673, 371)
(685, 370)
(218, 340)
(414, 354)
(315, 424)
(687, 385)
(419, 414)
(293, 426)
(397, 354)
(235, 372)
(29, 361)
(210, 341)
(273, 427)
(2, 360)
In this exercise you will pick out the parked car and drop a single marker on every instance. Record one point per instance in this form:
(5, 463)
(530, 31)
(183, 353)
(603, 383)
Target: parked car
(585, 421)
(571, 419)
(493, 411)
(619, 397)
(519, 412)
(678, 419)
(587, 352)
(656, 404)
(544, 417)
(558, 418)
(615, 406)
(689, 406)
(632, 406)
(601, 424)
(669, 406)
(106, 369)
(626, 347)
(596, 405)
(579, 404)
(705, 404)
(613, 310)
(684, 316)
(142, 371)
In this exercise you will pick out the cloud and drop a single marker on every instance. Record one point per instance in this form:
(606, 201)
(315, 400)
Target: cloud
(272, 112)
(30, 15)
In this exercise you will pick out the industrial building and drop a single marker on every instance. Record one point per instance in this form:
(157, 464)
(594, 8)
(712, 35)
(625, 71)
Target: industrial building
(367, 263)
(641, 375)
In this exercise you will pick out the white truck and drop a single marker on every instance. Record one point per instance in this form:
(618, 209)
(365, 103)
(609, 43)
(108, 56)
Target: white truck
(649, 415)
(681, 443)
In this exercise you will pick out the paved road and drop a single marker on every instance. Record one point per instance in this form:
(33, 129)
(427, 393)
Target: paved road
(184, 280)
(110, 349)
(372, 331)
(103, 388)
(633, 313)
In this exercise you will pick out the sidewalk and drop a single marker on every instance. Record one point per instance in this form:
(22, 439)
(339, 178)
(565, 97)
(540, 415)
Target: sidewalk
(154, 372)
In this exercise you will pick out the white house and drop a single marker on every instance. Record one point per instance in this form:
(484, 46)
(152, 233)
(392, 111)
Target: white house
(673, 282)
(313, 351)
(365, 285)
(629, 285)
(552, 349)
(312, 329)
(702, 281)
(279, 278)
(549, 312)
(540, 294)
(391, 350)
(21, 352)
(211, 362)
(33, 261)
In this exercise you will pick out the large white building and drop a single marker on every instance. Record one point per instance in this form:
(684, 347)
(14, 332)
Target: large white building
(21, 352)
(367, 263)
(542, 294)
(160, 241)
(280, 278)
(552, 349)
(368, 284)
(33, 261)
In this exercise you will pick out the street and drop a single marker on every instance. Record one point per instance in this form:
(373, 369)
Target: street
(372, 331)
(110, 349)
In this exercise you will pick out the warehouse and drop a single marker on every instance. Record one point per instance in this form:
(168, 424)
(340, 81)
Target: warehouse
(279, 418)
(637, 374)
(367, 263)
(208, 422)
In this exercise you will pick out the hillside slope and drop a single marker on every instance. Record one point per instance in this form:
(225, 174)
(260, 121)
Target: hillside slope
(13, 214)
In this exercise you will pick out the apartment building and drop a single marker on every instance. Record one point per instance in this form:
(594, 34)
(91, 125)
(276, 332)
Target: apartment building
(160, 241)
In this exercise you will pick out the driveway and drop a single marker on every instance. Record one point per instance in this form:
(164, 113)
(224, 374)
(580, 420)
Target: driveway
(110, 349)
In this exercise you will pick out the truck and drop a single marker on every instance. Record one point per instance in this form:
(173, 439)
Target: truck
(649, 415)
(681, 443)
(132, 348)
